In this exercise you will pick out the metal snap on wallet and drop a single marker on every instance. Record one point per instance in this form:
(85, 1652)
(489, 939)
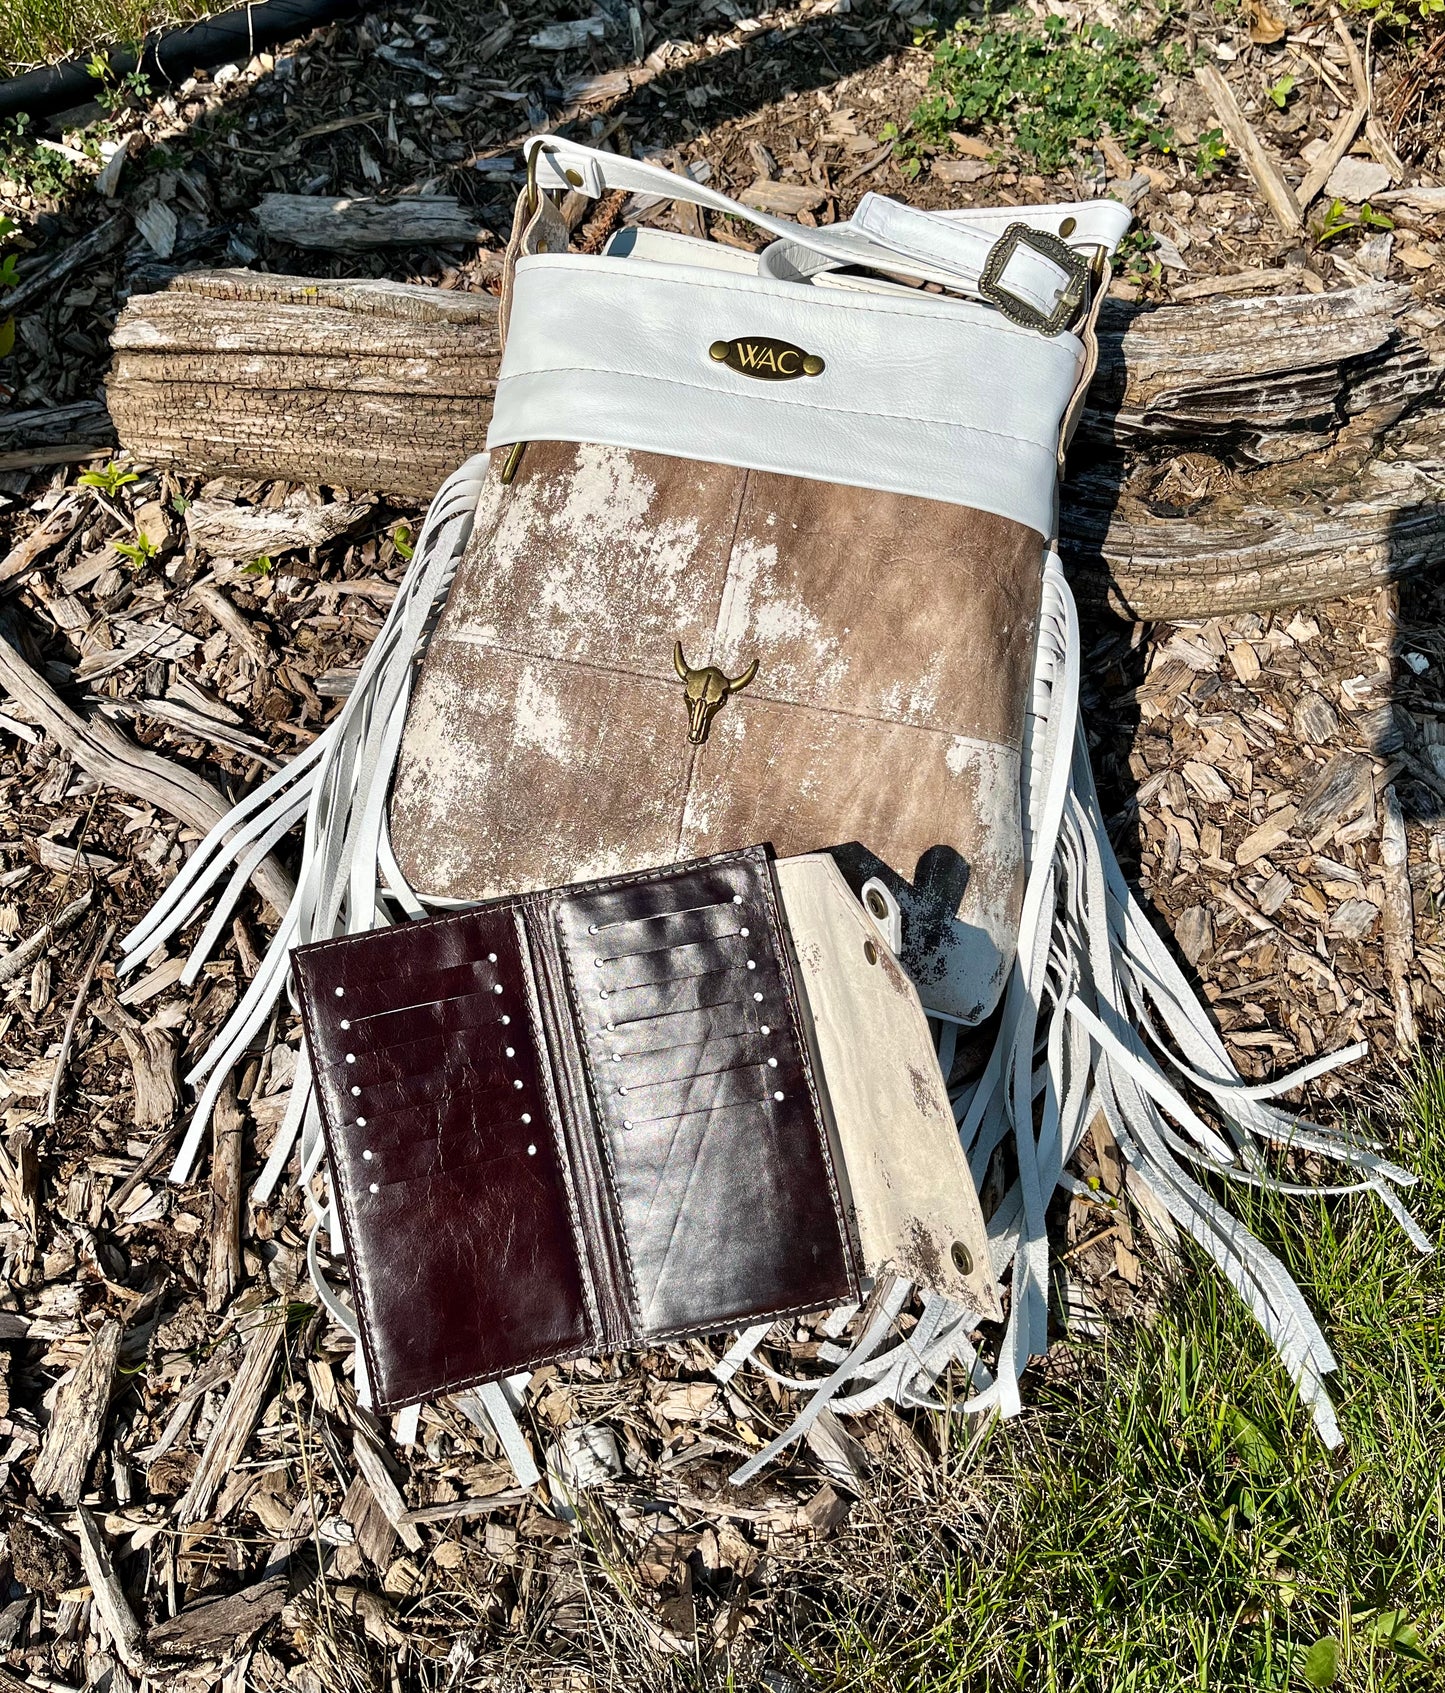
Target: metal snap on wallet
(572, 1122)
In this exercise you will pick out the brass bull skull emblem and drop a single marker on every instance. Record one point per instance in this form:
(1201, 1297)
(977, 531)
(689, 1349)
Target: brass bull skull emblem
(705, 692)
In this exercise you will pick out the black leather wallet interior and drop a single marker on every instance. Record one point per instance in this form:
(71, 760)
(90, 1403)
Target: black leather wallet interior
(570, 1122)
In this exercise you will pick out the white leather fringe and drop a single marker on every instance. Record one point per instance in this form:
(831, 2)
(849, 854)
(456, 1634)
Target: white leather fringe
(1092, 980)
(339, 786)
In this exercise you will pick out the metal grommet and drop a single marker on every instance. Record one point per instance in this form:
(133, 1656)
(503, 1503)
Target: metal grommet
(870, 952)
(962, 1258)
(877, 904)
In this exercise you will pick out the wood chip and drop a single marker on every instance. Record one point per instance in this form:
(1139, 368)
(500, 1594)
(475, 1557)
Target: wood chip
(1269, 837)
(227, 530)
(356, 225)
(79, 1417)
(238, 1416)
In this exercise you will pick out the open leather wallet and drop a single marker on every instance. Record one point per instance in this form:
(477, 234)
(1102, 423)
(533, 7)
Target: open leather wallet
(661, 1104)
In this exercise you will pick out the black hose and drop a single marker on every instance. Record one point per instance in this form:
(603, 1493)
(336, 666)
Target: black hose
(171, 55)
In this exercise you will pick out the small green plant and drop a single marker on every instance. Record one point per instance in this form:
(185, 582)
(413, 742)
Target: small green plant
(117, 92)
(1210, 154)
(139, 551)
(1134, 258)
(109, 478)
(1281, 90)
(1337, 221)
(41, 171)
(402, 541)
(1048, 85)
(262, 566)
(1404, 16)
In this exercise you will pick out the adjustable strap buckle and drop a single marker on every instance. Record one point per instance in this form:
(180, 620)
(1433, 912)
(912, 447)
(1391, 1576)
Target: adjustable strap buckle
(1072, 296)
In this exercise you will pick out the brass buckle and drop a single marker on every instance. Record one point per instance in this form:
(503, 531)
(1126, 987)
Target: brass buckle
(1071, 297)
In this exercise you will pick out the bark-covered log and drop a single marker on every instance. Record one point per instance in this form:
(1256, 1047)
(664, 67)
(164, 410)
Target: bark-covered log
(363, 385)
(1236, 454)
(352, 225)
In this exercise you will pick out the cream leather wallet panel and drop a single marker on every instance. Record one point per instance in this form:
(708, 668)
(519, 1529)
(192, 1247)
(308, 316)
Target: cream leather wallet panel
(913, 1198)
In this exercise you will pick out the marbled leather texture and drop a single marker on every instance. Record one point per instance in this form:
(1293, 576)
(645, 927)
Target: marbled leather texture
(570, 1122)
(547, 738)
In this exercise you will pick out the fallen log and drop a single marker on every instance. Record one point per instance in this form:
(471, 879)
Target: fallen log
(1237, 453)
(353, 226)
(377, 386)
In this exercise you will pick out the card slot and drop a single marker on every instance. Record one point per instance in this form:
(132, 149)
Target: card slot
(734, 1017)
(418, 1160)
(709, 1057)
(467, 1010)
(370, 995)
(478, 1115)
(672, 965)
(454, 1048)
(729, 904)
(652, 1000)
(685, 1095)
(432, 1087)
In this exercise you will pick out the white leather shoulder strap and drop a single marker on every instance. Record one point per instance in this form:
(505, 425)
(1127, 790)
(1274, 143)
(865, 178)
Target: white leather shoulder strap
(1031, 262)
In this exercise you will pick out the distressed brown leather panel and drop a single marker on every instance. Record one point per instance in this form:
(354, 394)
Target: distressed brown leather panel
(882, 605)
(611, 1134)
(547, 739)
(521, 773)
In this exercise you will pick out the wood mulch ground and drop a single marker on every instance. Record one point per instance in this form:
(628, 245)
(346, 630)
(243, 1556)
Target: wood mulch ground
(181, 1451)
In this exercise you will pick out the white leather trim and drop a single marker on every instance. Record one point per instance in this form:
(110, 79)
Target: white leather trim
(920, 394)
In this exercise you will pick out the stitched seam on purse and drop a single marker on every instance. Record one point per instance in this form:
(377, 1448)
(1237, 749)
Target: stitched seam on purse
(787, 293)
(983, 742)
(796, 402)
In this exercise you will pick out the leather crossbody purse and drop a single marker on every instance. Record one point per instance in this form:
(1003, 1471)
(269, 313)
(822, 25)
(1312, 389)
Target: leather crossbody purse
(761, 547)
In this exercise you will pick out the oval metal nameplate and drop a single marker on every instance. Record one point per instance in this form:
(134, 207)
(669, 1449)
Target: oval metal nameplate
(765, 358)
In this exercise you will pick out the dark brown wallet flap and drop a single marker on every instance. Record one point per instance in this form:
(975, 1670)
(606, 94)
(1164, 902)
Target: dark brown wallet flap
(445, 1161)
